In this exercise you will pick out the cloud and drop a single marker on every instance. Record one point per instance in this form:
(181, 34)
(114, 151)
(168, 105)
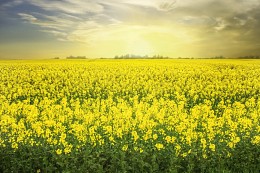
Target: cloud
(162, 5)
(60, 35)
(166, 5)
(28, 17)
(69, 27)
(92, 21)
(196, 20)
(220, 24)
(58, 26)
(68, 6)
(10, 3)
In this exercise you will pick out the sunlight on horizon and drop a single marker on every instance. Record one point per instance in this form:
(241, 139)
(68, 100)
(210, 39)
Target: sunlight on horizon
(174, 28)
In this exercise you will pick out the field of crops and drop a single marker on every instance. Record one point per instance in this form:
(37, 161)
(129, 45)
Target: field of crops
(130, 116)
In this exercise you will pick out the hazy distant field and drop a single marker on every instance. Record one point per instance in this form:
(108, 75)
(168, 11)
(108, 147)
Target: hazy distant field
(130, 116)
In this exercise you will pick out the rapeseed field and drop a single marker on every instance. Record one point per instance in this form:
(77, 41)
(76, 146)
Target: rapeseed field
(130, 116)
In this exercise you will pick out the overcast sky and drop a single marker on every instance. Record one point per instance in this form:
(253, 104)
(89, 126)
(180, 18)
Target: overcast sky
(105, 28)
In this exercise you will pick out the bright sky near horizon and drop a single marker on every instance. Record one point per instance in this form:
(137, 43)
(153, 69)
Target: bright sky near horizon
(105, 28)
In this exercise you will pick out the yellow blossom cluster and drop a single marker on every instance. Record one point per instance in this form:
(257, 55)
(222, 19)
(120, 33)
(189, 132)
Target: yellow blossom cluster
(189, 107)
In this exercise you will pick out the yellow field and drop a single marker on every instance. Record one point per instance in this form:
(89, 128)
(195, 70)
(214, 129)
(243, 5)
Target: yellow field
(187, 115)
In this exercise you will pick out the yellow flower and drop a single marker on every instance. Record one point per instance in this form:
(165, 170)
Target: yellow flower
(256, 140)
(14, 145)
(155, 136)
(135, 135)
(204, 155)
(67, 149)
(177, 150)
(212, 147)
(59, 151)
(168, 139)
(111, 139)
(125, 147)
(159, 146)
(203, 143)
(184, 154)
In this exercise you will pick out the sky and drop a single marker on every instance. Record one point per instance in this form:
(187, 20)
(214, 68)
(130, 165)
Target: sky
(36, 29)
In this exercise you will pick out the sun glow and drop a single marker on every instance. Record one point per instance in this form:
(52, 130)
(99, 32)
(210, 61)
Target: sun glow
(140, 47)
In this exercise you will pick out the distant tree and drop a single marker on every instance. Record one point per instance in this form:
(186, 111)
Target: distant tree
(133, 56)
(76, 57)
(249, 57)
(218, 57)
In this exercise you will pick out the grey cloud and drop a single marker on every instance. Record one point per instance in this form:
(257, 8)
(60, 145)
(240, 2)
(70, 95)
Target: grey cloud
(167, 5)
(10, 3)
(55, 25)
(217, 15)
(67, 26)
(68, 6)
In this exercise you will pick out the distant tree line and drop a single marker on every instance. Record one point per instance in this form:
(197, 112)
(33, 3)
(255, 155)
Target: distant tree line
(76, 57)
(249, 57)
(222, 57)
(240, 57)
(218, 57)
(132, 56)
